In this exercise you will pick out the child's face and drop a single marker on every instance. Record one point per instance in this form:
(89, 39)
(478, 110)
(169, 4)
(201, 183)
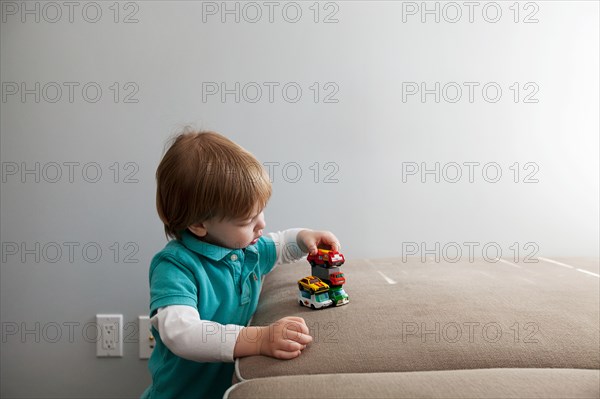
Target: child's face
(231, 233)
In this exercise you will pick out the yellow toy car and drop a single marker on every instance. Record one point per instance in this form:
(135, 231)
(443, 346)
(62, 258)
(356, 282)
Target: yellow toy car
(312, 284)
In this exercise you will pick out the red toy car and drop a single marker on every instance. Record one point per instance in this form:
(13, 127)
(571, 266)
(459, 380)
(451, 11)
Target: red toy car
(337, 278)
(326, 258)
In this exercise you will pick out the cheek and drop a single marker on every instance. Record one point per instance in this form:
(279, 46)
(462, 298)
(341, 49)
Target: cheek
(246, 231)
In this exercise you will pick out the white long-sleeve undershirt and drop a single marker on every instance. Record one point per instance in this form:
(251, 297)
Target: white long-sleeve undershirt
(183, 331)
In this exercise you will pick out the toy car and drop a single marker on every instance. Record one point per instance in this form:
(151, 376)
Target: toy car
(312, 284)
(326, 258)
(314, 301)
(338, 296)
(337, 278)
(330, 275)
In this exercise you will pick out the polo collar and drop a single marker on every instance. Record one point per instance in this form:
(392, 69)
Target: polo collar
(211, 251)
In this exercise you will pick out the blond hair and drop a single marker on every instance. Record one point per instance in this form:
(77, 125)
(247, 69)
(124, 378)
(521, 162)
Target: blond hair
(205, 175)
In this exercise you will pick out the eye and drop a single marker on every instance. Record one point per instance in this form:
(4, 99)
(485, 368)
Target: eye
(246, 222)
(250, 220)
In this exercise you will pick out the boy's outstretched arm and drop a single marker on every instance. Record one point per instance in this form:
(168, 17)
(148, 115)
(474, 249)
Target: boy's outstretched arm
(293, 244)
(186, 335)
(284, 339)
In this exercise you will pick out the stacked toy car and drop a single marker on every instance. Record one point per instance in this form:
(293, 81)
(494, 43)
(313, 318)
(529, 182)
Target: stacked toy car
(325, 286)
(313, 293)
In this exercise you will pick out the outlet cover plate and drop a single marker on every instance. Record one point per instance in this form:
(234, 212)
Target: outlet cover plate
(110, 335)
(146, 340)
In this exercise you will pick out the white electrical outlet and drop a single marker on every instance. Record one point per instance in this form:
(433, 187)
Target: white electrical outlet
(146, 340)
(110, 335)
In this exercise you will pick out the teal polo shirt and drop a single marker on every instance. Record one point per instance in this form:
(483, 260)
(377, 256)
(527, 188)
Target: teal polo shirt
(224, 285)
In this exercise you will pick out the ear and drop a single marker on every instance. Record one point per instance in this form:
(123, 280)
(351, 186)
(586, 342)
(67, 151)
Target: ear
(198, 229)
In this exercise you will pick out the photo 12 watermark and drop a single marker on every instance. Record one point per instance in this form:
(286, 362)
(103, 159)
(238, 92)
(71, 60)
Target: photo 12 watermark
(453, 12)
(452, 252)
(69, 252)
(470, 171)
(469, 92)
(52, 332)
(270, 92)
(469, 332)
(325, 332)
(71, 92)
(326, 172)
(294, 172)
(56, 12)
(252, 12)
(69, 172)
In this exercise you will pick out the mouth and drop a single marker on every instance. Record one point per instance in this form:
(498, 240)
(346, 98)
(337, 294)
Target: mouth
(254, 241)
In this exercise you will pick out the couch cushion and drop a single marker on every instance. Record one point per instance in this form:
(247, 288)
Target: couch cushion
(490, 383)
(418, 316)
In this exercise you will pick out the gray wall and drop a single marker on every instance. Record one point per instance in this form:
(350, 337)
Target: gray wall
(364, 130)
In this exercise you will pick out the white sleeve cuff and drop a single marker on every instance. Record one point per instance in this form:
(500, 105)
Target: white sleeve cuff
(188, 336)
(286, 245)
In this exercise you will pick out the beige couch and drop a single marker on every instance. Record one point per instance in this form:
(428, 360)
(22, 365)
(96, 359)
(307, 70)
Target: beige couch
(437, 329)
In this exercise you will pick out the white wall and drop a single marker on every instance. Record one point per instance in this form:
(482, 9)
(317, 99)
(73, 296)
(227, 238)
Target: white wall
(366, 59)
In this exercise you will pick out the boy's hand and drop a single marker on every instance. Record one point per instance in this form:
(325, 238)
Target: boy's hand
(310, 241)
(286, 338)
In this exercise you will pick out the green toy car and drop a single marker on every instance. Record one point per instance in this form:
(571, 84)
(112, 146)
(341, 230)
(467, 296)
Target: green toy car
(338, 295)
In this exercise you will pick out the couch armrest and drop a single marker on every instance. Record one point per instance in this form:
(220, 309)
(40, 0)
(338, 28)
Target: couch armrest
(416, 316)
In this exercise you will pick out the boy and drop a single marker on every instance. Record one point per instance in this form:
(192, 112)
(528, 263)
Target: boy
(205, 283)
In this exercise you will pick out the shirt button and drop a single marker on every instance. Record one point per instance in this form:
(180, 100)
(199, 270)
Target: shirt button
(234, 257)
